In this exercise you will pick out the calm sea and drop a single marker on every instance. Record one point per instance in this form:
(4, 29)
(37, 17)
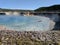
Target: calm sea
(25, 23)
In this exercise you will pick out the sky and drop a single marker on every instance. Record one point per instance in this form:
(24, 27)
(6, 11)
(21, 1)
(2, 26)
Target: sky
(27, 4)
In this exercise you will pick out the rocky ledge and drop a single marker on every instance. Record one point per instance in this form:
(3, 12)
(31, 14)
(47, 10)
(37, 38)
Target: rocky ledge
(8, 37)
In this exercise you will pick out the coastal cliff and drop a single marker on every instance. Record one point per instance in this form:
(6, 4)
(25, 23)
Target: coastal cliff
(53, 8)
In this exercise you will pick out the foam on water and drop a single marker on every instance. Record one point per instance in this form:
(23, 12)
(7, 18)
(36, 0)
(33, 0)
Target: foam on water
(26, 23)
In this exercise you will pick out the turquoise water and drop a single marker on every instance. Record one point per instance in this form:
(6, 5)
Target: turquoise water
(25, 23)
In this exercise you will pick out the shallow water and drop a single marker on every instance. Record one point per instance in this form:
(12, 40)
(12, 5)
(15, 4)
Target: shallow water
(25, 23)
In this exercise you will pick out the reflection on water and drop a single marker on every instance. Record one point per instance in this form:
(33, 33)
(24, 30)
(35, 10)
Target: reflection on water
(26, 23)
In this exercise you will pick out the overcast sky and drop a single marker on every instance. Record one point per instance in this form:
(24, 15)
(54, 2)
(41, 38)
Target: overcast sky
(27, 4)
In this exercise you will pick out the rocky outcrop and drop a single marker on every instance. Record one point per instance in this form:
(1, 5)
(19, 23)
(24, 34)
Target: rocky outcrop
(57, 26)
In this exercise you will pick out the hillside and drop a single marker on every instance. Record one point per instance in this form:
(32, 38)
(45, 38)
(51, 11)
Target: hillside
(18, 10)
(50, 8)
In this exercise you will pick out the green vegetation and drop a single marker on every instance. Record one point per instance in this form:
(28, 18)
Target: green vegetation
(18, 10)
(51, 8)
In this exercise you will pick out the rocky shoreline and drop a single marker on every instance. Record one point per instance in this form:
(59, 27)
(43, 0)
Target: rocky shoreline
(8, 37)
